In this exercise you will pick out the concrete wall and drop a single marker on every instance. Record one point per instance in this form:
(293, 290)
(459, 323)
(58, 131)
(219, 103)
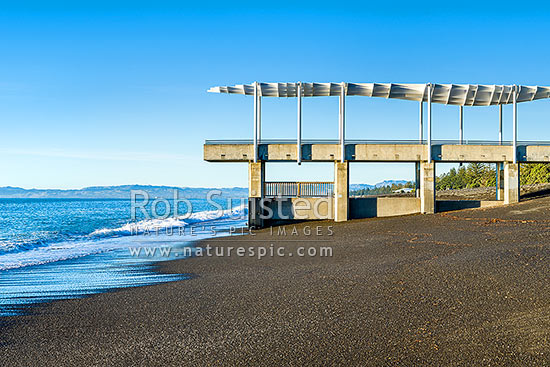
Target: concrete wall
(282, 152)
(389, 152)
(472, 153)
(228, 152)
(301, 208)
(534, 153)
(383, 207)
(323, 152)
(388, 207)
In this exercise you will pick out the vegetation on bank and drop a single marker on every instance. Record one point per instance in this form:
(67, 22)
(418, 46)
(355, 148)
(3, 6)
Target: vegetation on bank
(388, 189)
(471, 175)
(484, 175)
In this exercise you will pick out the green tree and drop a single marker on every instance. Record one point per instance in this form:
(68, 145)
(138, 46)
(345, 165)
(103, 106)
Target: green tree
(472, 175)
(483, 175)
(534, 173)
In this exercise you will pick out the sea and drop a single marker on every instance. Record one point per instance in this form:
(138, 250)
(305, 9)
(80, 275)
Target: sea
(53, 249)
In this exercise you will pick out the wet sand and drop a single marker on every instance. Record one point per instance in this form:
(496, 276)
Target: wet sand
(456, 288)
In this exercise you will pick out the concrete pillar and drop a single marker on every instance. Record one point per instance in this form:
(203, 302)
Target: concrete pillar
(511, 183)
(417, 179)
(341, 194)
(500, 181)
(427, 187)
(256, 179)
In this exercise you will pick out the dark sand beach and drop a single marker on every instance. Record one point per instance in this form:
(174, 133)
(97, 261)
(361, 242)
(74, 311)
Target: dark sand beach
(457, 288)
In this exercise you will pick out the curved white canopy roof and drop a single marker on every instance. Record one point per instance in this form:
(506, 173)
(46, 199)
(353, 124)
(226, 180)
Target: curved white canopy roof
(453, 94)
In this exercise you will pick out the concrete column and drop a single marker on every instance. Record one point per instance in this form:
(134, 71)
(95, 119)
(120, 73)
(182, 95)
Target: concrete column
(417, 178)
(256, 179)
(341, 194)
(511, 183)
(500, 181)
(427, 187)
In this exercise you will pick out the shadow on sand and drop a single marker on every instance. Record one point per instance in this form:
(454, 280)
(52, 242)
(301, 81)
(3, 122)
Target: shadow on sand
(535, 194)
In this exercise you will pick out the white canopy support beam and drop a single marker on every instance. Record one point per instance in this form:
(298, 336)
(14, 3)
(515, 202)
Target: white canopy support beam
(255, 122)
(500, 124)
(515, 124)
(299, 132)
(461, 128)
(342, 121)
(421, 123)
(429, 123)
(499, 166)
(259, 117)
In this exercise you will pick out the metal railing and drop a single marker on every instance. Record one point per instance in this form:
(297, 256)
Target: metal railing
(397, 142)
(299, 189)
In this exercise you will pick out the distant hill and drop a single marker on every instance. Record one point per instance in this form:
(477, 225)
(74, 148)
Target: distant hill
(390, 182)
(123, 191)
(355, 187)
(119, 192)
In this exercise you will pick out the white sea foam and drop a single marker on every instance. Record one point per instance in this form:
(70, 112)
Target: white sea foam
(54, 252)
(108, 239)
(150, 225)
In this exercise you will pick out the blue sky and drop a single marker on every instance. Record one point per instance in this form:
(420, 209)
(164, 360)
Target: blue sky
(108, 93)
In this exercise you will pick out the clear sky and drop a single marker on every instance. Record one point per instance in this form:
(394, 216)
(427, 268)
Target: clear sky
(109, 93)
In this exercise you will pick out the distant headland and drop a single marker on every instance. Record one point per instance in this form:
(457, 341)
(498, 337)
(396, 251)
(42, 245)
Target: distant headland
(123, 191)
(117, 192)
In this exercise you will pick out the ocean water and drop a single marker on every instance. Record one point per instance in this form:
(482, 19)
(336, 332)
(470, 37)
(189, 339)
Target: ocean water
(65, 248)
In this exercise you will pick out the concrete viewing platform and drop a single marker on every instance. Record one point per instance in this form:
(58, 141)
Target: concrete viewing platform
(332, 200)
(377, 151)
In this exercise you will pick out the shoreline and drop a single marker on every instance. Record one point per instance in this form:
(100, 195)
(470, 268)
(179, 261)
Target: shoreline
(111, 254)
(443, 289)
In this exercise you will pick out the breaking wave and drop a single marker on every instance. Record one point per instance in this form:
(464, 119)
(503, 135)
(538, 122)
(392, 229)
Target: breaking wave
(149, 225)
(16, 254)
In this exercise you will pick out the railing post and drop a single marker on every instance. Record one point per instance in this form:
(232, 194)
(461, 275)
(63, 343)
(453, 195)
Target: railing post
(299, 139)
(255, 122)
(515, 124)
(421, 122)
(461, 129)
(259, 114)
(342, 120)
(500, 124)
(429, 122)
(292, 189)
(499, 166)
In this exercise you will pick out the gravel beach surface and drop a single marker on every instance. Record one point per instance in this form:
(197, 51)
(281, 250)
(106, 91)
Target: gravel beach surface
(470, 287)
